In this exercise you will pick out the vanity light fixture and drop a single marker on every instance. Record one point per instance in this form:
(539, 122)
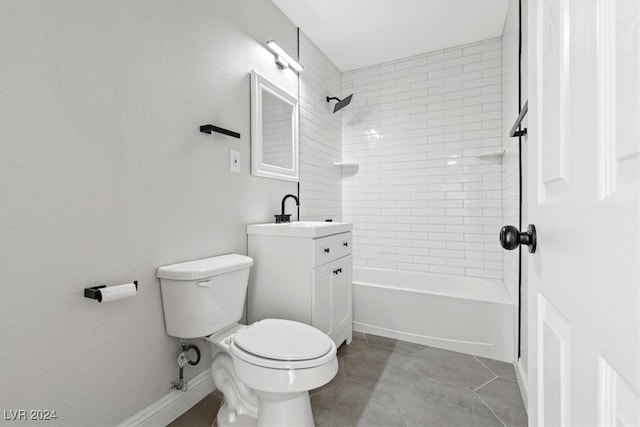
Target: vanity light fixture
(283, 59)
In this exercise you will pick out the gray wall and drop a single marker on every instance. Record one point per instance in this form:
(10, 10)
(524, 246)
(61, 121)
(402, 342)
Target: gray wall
(105, 177)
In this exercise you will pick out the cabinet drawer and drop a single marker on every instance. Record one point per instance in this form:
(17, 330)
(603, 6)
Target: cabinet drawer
(331, 248)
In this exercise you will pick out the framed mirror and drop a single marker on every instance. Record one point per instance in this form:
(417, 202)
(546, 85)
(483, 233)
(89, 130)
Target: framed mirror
(274, 130)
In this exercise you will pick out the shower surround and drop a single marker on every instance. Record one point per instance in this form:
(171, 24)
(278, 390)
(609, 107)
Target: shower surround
(420, 198)
(320, 135)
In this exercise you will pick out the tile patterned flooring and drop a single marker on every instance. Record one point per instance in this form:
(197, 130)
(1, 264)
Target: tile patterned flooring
(386, 382)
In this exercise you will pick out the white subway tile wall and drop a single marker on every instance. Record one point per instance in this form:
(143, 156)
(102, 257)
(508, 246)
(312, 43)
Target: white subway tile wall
(420, 199)
(320, 136)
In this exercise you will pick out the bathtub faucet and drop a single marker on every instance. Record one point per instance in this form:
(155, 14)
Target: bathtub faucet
(284, 217)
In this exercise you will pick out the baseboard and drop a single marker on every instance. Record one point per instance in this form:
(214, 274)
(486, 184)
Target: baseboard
(521, 375)
(174, 404)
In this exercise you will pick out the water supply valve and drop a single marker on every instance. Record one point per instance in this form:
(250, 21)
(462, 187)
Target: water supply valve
(182, 359)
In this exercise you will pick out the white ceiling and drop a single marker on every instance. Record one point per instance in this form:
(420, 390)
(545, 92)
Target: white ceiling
(360, 33)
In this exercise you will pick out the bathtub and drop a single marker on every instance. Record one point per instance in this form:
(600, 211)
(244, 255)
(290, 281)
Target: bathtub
(465, 314)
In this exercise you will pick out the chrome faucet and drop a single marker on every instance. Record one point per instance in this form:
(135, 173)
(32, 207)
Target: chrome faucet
(284, 217)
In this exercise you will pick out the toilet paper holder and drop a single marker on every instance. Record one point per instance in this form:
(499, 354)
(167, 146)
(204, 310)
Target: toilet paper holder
(95, 293)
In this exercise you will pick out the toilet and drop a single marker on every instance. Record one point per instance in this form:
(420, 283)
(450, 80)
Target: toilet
(265, 370)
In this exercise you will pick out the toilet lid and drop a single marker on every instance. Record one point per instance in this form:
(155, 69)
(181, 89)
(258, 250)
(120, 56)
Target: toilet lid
(280, 339)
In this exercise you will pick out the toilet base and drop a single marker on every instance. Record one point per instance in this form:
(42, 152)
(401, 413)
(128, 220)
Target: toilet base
(275, 410)
(284, 410)
(228, 418)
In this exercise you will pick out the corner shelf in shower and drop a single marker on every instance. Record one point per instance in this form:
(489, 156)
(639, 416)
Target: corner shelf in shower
(489, 154)
(346, 164)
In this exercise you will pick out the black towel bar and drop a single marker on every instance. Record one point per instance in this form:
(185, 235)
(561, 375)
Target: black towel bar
(211, 128)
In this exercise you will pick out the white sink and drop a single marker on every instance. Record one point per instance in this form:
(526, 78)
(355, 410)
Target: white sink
(311, 229)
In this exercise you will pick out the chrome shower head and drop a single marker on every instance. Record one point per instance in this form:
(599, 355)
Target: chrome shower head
(341, 102)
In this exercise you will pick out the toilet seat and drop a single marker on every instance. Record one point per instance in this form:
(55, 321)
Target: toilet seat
(282, 344)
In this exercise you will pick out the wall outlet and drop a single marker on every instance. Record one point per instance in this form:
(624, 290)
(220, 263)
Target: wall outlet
(234, 161)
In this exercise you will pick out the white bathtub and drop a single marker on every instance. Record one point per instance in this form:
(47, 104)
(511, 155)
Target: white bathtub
(465, 314)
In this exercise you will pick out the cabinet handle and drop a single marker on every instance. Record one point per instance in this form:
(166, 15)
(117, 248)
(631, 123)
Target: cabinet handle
(335, 271)
(327, 250)
(340, 270)
(345, 244)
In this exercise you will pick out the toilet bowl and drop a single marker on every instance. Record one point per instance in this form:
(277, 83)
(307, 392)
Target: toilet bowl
(265, 370)
(279, 360)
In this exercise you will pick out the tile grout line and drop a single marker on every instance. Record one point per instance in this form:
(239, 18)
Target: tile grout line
(482, 385)
(366, 339)
(480, 361)
(393, 397)
(491, 370)
(490, 409)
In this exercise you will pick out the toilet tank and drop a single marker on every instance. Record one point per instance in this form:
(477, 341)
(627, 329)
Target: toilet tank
(202, 297)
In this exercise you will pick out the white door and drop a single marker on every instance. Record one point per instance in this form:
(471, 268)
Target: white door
(583, 196)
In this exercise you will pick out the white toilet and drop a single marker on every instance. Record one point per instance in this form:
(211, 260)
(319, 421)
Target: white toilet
(266, 369)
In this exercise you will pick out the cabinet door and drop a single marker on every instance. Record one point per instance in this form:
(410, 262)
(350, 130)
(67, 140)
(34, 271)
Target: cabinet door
(342, 294)
(321, 316)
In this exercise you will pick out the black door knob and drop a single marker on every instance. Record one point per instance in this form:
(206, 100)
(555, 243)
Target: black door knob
(511, 238)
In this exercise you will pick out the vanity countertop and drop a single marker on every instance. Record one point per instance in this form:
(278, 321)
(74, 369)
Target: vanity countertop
(309, 229)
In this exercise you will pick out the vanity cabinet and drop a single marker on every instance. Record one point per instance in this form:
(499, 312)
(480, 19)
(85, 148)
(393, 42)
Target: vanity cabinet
(332, 288)
(304, 279)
